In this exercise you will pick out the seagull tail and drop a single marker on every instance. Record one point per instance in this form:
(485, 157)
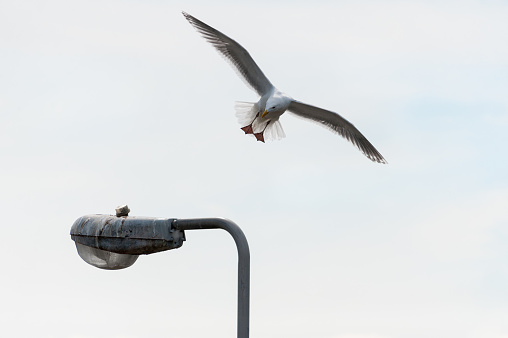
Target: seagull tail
(246, 112)
(274, 131)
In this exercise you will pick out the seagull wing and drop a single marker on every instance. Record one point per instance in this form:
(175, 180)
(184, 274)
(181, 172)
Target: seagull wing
(338, 124)
(234, 53)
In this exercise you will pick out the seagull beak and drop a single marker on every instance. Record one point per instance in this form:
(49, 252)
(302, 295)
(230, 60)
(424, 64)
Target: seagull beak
(263, 115)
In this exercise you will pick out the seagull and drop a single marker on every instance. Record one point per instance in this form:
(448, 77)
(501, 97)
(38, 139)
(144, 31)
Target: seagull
(261, 118)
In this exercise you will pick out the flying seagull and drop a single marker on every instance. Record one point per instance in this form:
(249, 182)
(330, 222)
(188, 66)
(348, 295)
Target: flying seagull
(262, 118)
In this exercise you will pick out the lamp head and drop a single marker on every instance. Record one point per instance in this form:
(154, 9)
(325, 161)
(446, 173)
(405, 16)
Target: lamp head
(111, 242)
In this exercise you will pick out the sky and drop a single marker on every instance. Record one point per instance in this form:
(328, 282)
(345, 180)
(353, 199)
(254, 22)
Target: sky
(104, 103)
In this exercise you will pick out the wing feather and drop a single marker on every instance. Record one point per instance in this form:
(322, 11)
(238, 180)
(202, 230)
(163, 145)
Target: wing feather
(238, 56)
(338, 124)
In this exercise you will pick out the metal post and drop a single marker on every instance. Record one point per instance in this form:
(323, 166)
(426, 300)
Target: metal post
(243, 262)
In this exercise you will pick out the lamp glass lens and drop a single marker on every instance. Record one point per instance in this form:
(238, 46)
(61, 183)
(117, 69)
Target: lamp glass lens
(105, 259)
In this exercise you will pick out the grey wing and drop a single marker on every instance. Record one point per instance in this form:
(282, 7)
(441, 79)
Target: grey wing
(338, 124)
(234, 53)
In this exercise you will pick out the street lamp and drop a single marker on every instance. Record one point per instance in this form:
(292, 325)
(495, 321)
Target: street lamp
(115, 242)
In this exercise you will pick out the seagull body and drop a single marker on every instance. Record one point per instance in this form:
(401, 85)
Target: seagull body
(262, 118)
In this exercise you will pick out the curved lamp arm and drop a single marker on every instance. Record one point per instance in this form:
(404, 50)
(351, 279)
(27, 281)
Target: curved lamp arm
(243, 262)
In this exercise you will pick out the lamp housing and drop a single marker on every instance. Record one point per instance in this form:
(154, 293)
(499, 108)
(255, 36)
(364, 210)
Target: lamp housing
(112, 243)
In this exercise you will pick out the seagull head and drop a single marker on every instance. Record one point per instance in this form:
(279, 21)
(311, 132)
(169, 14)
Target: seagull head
(275, 105)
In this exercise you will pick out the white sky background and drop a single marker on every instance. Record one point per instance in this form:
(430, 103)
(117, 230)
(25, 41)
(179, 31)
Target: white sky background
(111, 102)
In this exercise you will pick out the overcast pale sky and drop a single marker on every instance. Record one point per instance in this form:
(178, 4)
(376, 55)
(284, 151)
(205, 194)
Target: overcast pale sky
(105, 103)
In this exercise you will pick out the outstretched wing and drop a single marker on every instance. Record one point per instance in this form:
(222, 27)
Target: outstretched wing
(338, 124)
(234, 53)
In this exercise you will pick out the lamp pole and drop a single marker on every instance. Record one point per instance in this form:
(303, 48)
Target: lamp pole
(243, 262)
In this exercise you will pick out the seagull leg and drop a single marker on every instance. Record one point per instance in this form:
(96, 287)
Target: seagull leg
(259, 136)
(248, 129)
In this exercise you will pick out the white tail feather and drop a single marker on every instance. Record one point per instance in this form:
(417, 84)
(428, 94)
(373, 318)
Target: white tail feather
(274, 131)
(245, 112)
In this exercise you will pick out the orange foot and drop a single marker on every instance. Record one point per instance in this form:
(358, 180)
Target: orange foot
(259, 137)
(248, 129)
